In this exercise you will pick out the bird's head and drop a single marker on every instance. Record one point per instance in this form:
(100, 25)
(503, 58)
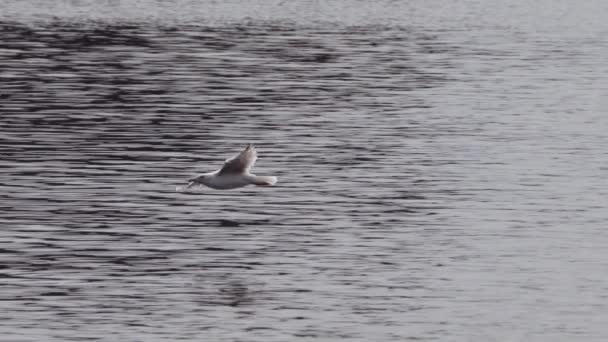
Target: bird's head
(199, 178)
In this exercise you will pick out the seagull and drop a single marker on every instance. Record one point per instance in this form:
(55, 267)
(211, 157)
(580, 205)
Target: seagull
(234, 173)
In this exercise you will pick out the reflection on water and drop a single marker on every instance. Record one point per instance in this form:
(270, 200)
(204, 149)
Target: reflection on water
(430, 179)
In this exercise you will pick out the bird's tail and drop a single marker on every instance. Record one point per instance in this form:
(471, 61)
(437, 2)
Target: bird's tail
(264, 180)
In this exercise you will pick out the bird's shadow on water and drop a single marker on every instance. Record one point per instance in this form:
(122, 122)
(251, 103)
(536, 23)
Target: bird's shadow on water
(218, 276)
(223, 289)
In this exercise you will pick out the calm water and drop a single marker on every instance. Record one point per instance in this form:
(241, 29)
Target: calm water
(442, 170)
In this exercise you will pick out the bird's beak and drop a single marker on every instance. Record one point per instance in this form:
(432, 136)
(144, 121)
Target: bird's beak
(190, 183)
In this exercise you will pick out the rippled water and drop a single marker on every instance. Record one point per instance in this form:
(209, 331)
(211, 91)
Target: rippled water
(442, 171)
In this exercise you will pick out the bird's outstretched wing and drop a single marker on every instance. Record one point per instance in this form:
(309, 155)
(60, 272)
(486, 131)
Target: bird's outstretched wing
(240, 163)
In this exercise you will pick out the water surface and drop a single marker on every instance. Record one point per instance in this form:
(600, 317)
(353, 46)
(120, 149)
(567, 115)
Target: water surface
(441, 171)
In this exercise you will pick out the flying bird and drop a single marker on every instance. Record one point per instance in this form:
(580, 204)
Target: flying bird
(234, 173)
